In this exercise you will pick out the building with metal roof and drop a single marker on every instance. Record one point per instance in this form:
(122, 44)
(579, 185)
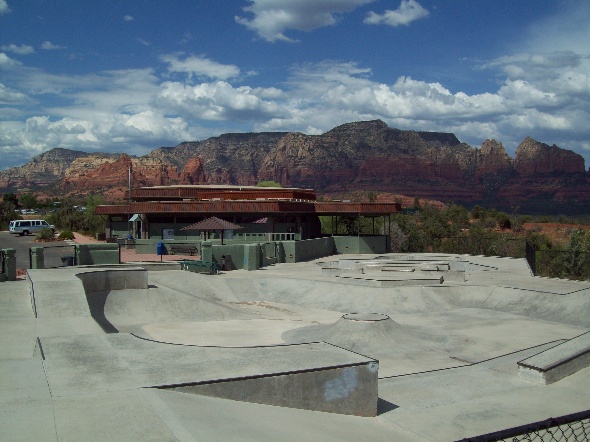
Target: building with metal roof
(160, 212)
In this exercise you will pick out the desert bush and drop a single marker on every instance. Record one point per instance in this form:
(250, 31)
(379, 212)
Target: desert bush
(66, 234)
(45, 234)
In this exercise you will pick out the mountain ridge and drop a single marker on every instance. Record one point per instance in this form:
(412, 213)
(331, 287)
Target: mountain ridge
(366, 155)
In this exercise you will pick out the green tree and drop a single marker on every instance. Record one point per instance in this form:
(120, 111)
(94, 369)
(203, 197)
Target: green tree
(68, 216)
(93, 222)
(478, 212)
(7, 213)
(576, 257)
(503, 220)
(458, 216)
(28, 200)
(10, 198)
(417, 239)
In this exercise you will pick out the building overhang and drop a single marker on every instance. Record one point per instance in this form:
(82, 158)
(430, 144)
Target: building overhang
(266, 207)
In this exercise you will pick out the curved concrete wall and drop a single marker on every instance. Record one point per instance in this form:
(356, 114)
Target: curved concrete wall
(114, 279)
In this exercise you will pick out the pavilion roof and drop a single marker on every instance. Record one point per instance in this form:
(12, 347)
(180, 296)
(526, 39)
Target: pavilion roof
(212, 223)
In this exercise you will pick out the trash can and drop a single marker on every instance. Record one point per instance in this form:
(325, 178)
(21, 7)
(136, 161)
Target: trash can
(226, 263)
(68, 261)
(161, 249)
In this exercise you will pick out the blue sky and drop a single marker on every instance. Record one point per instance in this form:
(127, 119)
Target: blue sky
(132, 76)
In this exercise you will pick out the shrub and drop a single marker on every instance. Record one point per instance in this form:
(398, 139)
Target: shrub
(66, 234)
(45, 234)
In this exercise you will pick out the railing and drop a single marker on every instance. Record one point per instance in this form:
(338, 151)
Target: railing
(53, 256)
(266, 236)
(572, 427)
(571, 264)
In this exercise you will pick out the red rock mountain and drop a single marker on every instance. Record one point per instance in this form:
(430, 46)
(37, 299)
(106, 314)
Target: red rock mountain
(355, 156)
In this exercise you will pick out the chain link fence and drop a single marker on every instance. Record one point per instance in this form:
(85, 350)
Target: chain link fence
(570, 428)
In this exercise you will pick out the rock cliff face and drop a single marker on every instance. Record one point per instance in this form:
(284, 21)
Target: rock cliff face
(42, 170)
(533, 158)
(355, 156)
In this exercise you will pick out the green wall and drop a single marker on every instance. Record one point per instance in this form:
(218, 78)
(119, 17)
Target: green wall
(90, 254)
(360, 244)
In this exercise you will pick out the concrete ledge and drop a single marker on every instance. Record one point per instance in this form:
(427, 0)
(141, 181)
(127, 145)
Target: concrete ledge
(557, 362)
(345, 390)
(391, 282)
(329, 271)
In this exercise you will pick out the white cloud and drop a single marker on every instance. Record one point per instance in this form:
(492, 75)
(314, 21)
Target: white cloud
(48, 46)
(21, 50)
(218, 101)
(137, 110)
(4, 9)
(408, 11)
(9, 96)
(200, 67)
(272, 18)
(6, 61)
(128, 18)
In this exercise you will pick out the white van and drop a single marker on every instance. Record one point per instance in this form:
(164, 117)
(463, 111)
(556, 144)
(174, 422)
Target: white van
(28, 226)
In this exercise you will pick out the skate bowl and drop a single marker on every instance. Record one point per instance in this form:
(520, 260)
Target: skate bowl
(293, 352)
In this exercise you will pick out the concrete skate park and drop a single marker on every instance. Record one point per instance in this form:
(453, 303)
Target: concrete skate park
(377, 347)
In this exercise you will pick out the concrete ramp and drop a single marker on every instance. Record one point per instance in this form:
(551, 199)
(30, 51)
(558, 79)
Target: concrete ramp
(557, 362)
(399, 348)
(62, 292)
(345, 389)
(316, 376)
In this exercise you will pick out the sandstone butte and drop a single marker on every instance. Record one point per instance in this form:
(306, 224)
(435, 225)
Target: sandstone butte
(361, 156)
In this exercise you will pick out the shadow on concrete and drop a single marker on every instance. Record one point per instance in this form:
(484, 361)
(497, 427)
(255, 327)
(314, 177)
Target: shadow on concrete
(384, 406)
(96, 302)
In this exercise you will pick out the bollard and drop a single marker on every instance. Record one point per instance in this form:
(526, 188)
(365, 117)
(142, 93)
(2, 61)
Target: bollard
(37, 258)
(10, 264)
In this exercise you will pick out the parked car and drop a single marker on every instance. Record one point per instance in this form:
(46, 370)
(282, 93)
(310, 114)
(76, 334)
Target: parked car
(28, 226)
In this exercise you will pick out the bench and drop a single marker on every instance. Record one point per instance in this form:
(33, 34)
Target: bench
(212, 268)
(182, 249)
